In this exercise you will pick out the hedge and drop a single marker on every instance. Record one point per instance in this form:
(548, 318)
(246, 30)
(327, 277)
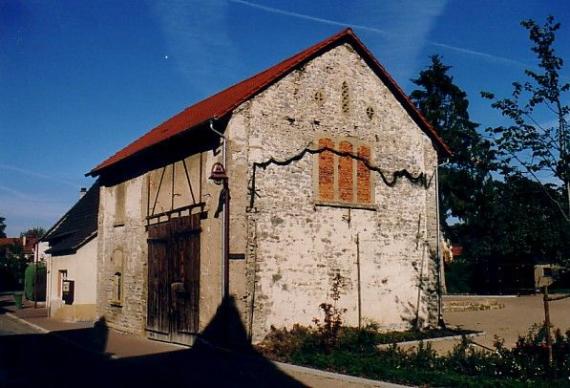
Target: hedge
(31, 278)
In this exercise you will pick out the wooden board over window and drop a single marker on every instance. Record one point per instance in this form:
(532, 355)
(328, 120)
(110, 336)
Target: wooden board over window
(344, 180)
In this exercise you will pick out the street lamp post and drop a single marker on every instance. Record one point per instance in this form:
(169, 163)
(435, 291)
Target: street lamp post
(219, 177)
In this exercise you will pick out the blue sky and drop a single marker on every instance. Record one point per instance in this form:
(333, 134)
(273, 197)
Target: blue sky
(80, 80)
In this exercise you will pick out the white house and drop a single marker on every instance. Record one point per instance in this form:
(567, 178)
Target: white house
(72, 259)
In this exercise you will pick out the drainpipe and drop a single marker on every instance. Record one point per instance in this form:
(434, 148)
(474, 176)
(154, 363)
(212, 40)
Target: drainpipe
(439, 258)
(225, 219)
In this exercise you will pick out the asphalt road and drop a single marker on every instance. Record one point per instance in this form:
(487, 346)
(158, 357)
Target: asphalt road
(31, 359)
(10, 326)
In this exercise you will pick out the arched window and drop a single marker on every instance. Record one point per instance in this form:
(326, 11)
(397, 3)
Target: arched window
(345, 93)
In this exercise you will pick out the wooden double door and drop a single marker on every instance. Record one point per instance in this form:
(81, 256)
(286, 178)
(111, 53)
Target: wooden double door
(174, 279)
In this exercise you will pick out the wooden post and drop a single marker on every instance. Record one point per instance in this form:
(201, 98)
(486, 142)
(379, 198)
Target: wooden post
(547, 327)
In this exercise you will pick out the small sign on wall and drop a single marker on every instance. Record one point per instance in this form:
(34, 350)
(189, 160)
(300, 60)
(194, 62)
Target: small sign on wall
(68, 288)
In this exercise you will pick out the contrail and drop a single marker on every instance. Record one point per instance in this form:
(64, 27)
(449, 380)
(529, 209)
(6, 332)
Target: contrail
(39, 175)
(27, 197)
(313, 18)
(462, 50)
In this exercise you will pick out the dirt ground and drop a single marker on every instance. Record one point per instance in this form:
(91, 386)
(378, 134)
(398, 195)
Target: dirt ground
(515, 319)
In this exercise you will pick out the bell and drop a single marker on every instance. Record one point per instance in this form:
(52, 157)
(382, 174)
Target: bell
(218, 174)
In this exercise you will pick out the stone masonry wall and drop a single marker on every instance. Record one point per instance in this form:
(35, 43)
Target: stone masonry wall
(296, 246)
(122, 247)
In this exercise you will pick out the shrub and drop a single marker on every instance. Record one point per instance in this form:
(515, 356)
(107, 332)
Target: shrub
(329, 330)
(356, 353)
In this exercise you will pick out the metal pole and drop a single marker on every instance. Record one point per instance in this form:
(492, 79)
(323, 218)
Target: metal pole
(226, 238)
(358, 281)
(439, 261)
(225, 220)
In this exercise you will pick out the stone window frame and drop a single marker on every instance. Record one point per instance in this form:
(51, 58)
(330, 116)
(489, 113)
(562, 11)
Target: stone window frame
(117, 279)
(336, 202)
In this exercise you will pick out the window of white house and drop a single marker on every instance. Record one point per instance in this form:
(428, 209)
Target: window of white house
(547, 272)
(61, 276)
(344, 180)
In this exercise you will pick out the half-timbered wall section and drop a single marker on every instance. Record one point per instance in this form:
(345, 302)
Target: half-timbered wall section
(127, 209)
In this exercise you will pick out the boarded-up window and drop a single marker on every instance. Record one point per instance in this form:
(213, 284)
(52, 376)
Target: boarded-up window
(326, 171)
(345, 176)
(364, 193)
(119, 205)
(344, 179)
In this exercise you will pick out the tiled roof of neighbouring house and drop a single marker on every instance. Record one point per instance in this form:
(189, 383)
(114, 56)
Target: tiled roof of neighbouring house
(77, 227)
(10, 241)
(224, 102)
(457, 250)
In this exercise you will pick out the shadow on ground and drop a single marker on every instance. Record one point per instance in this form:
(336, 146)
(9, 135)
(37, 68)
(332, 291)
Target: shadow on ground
(221, 357)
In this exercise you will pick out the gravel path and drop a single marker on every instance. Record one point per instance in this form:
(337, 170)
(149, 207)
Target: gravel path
(515, 319)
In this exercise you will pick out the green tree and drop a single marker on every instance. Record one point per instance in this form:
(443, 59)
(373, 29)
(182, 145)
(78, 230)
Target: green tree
(517, 224)
(36, 232)
(463, 177)
(527, 146)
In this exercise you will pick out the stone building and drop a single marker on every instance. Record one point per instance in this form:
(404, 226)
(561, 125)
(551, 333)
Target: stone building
(332, 178)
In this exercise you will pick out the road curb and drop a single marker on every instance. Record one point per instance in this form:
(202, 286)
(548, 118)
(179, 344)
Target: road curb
(438, 339)
(467, 296)
(30, 324)
(61, 337)
(337, 376)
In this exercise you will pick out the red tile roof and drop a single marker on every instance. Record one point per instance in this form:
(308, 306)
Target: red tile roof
(224, 102)
(457, 250)
(10, 241)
